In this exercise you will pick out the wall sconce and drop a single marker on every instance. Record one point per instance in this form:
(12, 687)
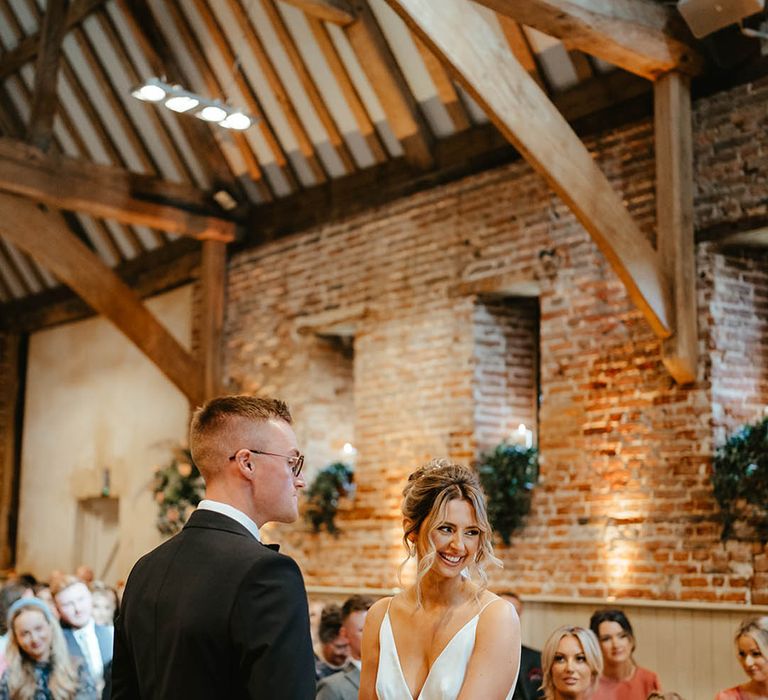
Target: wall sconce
(182, 101)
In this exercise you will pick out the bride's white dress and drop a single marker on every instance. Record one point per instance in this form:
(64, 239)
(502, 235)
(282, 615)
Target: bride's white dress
(444, 678)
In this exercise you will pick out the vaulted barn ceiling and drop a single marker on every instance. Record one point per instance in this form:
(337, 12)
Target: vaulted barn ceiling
(351, 106)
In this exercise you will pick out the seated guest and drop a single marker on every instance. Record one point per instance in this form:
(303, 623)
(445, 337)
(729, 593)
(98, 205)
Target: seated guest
(104, 604)
(85, 639)
(334, 649)
(622, 678)
(571, 664)
(43, 592)
(39, 665)
(529, 679)
(345, 684)
(752, 650)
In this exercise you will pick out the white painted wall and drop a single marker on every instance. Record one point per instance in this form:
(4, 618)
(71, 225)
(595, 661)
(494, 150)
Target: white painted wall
(94, 401)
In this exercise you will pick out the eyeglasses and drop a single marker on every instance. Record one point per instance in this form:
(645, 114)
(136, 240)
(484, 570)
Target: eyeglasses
(295, 462)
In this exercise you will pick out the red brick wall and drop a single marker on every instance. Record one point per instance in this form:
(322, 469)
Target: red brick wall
(506, 338)
(624, 507)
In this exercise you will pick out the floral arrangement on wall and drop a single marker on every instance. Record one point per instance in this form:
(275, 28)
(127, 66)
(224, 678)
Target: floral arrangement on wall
(331, 483)
(740, 482)
(178, 488)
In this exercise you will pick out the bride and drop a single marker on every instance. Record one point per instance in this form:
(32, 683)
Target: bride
(446, 637)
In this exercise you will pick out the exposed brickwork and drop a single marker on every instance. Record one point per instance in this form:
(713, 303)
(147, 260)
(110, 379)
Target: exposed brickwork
(506, 361)
(624, 507)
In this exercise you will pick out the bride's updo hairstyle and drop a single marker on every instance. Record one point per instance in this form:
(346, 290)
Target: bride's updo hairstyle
(425, 501)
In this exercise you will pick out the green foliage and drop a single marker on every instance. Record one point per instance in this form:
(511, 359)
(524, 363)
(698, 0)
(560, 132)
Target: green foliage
(740, 480)
(178, 489)
(508, 475)
(330, 484)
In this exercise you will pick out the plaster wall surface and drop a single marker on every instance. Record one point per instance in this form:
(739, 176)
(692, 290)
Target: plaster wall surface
(94, 402)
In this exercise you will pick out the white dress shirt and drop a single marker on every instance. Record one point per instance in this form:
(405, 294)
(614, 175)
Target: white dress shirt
(231, 512)
(89, 644)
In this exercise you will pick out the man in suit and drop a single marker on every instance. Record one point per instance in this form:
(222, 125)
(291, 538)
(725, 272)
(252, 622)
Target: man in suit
(345, 684)
(85, 639)
(531, 676)
(213, 613)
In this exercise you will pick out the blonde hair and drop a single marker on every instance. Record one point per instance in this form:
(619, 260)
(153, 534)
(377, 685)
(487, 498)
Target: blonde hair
(213, 417)
(589, 645)
(62, 683)
(425, 501)
(757, 628)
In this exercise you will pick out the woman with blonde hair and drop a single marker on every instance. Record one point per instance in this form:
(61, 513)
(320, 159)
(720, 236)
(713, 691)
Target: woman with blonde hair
(752, 649)
(571, 664)
(39, 665)
(446, 637)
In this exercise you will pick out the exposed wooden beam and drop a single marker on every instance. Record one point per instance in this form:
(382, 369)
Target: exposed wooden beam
(44, 236)
(673, 130)
(213, 280)
(28, 47)
(356, 106)
(386, 79)
(148, 274)
(40, 130)
(632, 34)
(521, 47)
(335, 11)
(592, 107)
(145, 30)
(247, 31)
(445, 89)
(307, 82)
(197, 54)
(13, 349)
(108, 192)
(524, 114)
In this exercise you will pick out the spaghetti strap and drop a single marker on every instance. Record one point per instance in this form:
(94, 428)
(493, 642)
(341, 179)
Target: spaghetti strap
(487, 604)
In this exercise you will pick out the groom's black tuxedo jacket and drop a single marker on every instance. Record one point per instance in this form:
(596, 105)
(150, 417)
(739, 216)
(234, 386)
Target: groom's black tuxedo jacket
(210, 614)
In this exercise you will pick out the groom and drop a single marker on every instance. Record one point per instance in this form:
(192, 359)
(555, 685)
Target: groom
(212, 612)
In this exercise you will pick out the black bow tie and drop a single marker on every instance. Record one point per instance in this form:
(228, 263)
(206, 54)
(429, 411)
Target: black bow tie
(275, 547)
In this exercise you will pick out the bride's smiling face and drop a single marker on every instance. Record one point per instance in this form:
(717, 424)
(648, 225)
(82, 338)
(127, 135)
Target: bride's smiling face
(456, 538)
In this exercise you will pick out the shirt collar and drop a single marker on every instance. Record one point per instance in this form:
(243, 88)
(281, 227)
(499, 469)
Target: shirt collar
(231, 512)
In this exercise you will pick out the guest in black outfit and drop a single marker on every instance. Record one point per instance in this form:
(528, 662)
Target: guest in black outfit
(529, 681)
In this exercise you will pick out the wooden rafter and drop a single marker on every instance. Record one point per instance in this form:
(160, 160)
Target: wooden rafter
(146, 31)
(107, 191)
(445, 89)
(303, 74)
(515, 102)
(44, 104)
(347, 87)
(171, 148)
(521, 47)
(386, 79)
(272, 77)
(673, 132)
(252, 102)
(215, 91)
(27, 48)
(128, 126)
(213, 279)
(336, 11)
(632, 34)
(45, 236)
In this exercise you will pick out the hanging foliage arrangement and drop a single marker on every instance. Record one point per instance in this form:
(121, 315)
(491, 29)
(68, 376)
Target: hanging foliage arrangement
(508, 475)
(178, 488)
(331, 483)
(740, 482)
